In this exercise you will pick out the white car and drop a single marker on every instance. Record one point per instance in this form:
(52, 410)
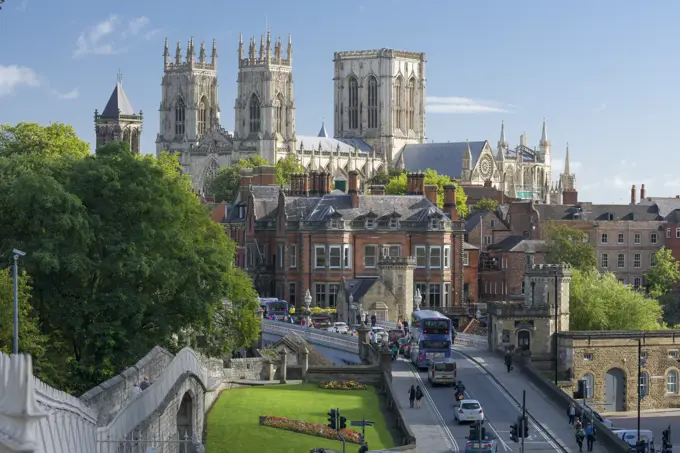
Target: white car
(469, 411)
(378, 335)
(338, 327)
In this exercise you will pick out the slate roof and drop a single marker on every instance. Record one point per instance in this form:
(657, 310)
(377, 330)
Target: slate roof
(474, 219)
(586, 211)
(322, 132)
(328, 144)
(468, 246)
(674, 216)
(445, 158)
(406, 207)
(519, 244)
(266, 202)
(118, 101)
(359, 287)
(666, 205)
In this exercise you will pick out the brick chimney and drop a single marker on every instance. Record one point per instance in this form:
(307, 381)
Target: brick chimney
(323, 183)
(410, 183)
(244, 183)
(570, 197)
(633, 195)
(313, 183)
(304, 184)
(643, 193)
(418, 184)
(377, 190)
(296, 184)
(353, 188)
(264, 176)
(450, 201)
(431, 193)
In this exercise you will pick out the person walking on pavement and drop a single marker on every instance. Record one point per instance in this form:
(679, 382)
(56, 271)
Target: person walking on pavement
(590, 436)
(374, 320)
(419, 396)
(580, 435)
(571, 412)
(412, 396)
(508, 361)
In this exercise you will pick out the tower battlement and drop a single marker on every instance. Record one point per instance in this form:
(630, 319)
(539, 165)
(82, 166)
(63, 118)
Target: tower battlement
(188, 61)
(267, 55)
(548, 270)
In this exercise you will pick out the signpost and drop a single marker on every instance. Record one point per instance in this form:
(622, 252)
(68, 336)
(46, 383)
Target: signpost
(363, 423)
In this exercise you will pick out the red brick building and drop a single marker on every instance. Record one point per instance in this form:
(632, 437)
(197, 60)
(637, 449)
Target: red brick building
(470, 275)
(309, 237)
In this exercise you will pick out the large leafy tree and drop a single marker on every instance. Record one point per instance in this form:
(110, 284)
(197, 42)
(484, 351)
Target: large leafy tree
(286, 167)
(485, 204)
(398, 185)
(568, 245)
(54, 140)
(664, 274)
(601, 302)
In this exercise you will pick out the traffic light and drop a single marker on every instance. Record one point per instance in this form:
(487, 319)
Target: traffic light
(525, 427)
(333, 419)
(514, 430)
(343, 422)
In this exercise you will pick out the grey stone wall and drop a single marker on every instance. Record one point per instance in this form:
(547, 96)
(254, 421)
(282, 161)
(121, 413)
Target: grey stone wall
(252, 369)
(109, 397)
(369, 375)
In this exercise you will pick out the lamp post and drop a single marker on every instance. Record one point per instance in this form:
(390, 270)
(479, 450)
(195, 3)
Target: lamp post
(308, 302)
(350, 300)
(556, 327)
(17, 254)
(639, 392)
(417, 299)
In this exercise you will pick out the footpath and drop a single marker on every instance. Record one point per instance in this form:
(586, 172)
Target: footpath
(426, 426)
(552, 417)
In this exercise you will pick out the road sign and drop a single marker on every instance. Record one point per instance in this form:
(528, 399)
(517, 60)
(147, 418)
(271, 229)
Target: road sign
(361, 423)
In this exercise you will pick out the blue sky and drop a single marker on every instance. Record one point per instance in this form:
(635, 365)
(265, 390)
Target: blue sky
(604, 73)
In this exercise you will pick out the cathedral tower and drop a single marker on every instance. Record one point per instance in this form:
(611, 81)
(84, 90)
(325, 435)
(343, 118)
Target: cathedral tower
(118, 121)
(379, 96)
(567, 178)
(189, 107)
(544, 150)
(265, 106)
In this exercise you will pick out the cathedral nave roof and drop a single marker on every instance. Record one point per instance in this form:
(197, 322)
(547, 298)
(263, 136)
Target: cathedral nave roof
(445, 158)
(329, 144)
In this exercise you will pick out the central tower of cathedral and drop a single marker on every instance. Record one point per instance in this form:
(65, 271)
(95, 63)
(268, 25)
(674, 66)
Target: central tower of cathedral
(265, 109)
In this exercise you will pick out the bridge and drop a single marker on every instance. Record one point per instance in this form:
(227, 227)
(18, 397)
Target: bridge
(168, 415)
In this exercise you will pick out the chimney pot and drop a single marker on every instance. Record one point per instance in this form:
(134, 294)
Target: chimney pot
(354, 188)
(450, 201)
(643, 193)
(633, 195)
(431, 193)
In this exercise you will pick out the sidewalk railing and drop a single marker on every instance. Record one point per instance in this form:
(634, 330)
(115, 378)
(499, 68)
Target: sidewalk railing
(346, 343)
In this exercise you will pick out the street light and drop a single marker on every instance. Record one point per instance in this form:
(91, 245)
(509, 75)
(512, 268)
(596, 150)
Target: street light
(417, 299)
(350, 300)
(556, 321)
(17, 254)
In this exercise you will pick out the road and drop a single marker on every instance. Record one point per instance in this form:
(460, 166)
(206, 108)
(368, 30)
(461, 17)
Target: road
(656, 421)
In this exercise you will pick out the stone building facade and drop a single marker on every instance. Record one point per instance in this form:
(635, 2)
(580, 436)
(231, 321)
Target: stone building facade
(530, 325)
(309, 237)
(483, 228)
(118, 120)
(608, 362)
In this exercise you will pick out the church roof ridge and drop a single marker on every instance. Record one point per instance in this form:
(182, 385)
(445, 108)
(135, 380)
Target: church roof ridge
(118, 104)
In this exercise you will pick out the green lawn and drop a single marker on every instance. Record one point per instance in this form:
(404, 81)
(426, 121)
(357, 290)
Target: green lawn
(233, 422)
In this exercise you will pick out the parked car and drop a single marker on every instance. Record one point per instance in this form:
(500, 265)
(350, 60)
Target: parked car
(321, 322)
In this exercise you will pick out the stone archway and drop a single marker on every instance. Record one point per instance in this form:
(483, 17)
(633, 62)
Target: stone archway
(185, 417)
(524, 340)
(615, 389)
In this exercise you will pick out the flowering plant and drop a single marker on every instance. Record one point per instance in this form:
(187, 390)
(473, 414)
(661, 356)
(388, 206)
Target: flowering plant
(310, 428)
(342, 385)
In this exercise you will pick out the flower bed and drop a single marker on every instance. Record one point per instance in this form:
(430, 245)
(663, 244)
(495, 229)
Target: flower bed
(342, 385)
(310, 428)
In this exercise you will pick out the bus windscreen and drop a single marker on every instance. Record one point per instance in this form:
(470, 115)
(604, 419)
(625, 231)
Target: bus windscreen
(436, 326)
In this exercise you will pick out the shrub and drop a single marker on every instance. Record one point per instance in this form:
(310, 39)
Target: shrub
(310, 428)
(342, 385)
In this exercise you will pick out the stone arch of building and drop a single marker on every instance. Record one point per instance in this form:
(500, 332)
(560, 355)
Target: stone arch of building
(524, 339)
(615, 379)
(185, 418)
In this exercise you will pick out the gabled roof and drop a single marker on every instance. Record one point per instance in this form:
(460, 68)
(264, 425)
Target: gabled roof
(468, 246)
(358, 287)
(409, 207)
(118, 102)
(519, 244)
(328, 144)
(674, 216)
(445, 158)
(476, 217)
(666, 205)
(601, 212)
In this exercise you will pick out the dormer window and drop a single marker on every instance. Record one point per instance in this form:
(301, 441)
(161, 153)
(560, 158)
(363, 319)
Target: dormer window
(434, 224)
(394, 223)
(370, 223)
(241, 212)
(335, 224)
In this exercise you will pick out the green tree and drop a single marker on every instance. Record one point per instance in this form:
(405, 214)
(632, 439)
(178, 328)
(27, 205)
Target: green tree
(57, 139)
(384, 178)
(601, 302)
(224, 185)
(664, 274)
(398, 184)
(485, 204)
(286, 167)
(568, 245)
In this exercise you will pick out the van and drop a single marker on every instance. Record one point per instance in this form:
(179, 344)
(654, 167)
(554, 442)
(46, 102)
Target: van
(629, 436)
(442, 371)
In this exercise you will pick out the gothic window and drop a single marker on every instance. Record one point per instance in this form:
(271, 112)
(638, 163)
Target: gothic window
(372, 103)
(399, 113)
(410, 104)
(180, 111)
(254, 114)
(279, 115)
(203, 116)
(353, 103)
(210, 171)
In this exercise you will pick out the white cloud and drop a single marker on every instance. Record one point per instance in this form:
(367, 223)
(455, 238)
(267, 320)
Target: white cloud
(151, 33)
(462, 105)
(97, 40)
(13, 77)
(136, 25)
(73, 94)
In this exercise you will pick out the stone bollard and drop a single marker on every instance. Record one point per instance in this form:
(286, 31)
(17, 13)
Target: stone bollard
(270, 370)
(305, 362)
(385, 359)
(362, 339)
(283, 366)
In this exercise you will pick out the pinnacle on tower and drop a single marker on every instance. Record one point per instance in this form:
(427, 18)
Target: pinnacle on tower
(289, 55)
(261, 47)
(178, 53)
(214, 53)
(567, 170)
(202, 57)
(166, 53)
(544, 134)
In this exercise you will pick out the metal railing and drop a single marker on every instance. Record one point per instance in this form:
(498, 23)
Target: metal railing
(333, 340)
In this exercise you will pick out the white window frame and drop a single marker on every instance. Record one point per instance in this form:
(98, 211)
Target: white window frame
(487, 240)
(604, 261)
(637, 260)
(637, 283)
(621, 238)
(653, 238)
(466, 258)
(370, 223)
(644, 384)
(437, 255)
(421, 252)
(637, 238)
(335, 253)
(292, 256)
(394, 223)
(677, 233)
(672, 382)
(435, 224)
(280, 250)
(590, 384)
(621, 261)
(668, 233)
(374, 255)
(447, 257)
(335, 224)
(524, 287)
(320, 301)
(322, 256)
(347, 256)
(604, 237)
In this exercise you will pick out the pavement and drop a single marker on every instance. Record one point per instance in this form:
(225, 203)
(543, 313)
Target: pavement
(502, 403)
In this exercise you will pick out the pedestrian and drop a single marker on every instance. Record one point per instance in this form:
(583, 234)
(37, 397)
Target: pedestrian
(590, 436)
(508, 361)
(374, 320)
(145, 383)
(135, 391)
(419, 396)
(571, 412)
(580, 435)
(412, 396)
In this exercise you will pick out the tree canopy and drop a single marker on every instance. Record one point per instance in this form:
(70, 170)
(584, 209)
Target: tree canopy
(664, 274)
(601, 302)
(398, 184)
(569, 245)
(121, 257)
(224, 185)
(485, 204)
(55, 140)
